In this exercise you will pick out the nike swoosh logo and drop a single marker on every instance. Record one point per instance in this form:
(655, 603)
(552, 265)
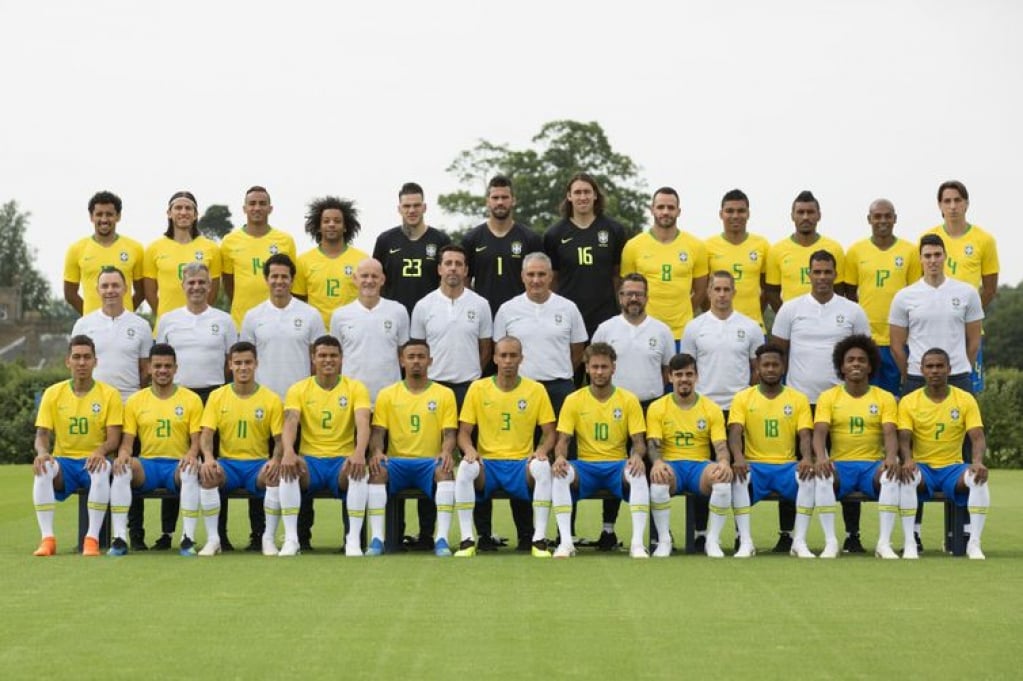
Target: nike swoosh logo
(565, 241)
(394, 250)
(480, 248)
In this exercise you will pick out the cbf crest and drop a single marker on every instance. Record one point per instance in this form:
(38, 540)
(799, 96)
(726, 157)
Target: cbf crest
(349, 270)
(516, 248)
(259, 414)
(956, 303)
(899, 262)
(968, 250)
(701, 424)
(298, 324)
(274, 250)
(617, 414)
(740, 334)
(130, 333)
(954, 414)
(96, 408)
(652, 342)
(123, 256)
(683, 256)
(470, 315)
(214, 329)
(602, 237)
(839, 319)
(874, 410)
(198, 256)
(431, 406)
(522, 404)
(753, 256)
(558, 318)
(431, 250)
(179, 411)
(788, 410)
(342, 401)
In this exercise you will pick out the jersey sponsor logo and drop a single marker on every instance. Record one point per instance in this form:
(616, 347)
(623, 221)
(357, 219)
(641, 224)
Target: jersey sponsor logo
(480, 249)
(565, 241)
(954, 414)
(603, 237)
(516, 248)
(431, 250)
(431, 406)
(874, 410)
(393, 250)
(683, 256)
(617, 414)
(124, 256)
(96, 408)
(701, 424)
(260, 414)
(522, 404)
(968, 250)
(274, 250)
(342, 401)
(788, 410)
(899, 262)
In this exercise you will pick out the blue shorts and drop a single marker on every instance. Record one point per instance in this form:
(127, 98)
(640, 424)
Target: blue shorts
(594, 476)
(687, 475)
(772, 477)
(159, 474)
(888, 376)
(408, 473)
(856, 476)
(324, 472)
(242, 474)
(945, 479)
(506, 474)
(74, 474)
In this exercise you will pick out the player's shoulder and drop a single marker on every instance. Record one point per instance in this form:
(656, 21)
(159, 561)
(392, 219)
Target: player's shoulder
(709, 406)
(106, 390)
(796, 396)
(961, 396)
(626, 396)
(437, 236)
(352, 384)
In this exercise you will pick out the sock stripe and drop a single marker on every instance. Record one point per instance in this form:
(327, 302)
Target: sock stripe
(97, 506)
(639, 508)
(190, 514)
(827, 509)
(718, 510)
(885, 508)
(375, 511)
(741, 510)
(538, 503)
(982, 510)
(209, 512)
(46, 507)
(907, 512)
(660, 505)
(804, 510)
(356, 514)
(445, 508)
(465, 505)
(118, 509)
(562, 509)
(281, 511)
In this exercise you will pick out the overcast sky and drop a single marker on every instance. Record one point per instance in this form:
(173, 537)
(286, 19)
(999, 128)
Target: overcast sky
(854, 100)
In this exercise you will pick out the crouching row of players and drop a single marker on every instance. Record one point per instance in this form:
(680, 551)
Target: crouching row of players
(892, 453)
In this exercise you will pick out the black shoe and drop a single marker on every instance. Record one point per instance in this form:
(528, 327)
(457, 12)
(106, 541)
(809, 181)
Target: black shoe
(226, 545)
(422, 544)
(608, 541)
(853, 545)
(919, 542)
(306, 547)
(487, 543)
(738, 542)
(138, 544)
(118, 547)
(784, 544)
(255, 546)
(524, 545)
(700, 543)
(164, 543)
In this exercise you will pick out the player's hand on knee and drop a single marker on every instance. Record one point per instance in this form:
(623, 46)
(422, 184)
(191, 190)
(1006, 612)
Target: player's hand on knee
(979, 471)
(95, 463)
(824, 468)
(560, 467)
(805, 469)
(908, 471)
(660, 473)
(445, 463)
(720, 471)
(376, 465)
(354, 467)
(40, 463)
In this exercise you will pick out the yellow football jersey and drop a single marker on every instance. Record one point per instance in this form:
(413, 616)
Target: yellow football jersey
(939, 427)
(856, 423)
(746, 262)
(770, 425)
(327, 282)
(788, 265)
(164, 260)
(79, 424)
(163, 426)
(970, 256)
(685, 434)
(87, 257)
(415, 423)
(878, 275)
(601, 429)
(669, 270)
(245, 424)
(242, 256)
(506, 421)
(327, 416)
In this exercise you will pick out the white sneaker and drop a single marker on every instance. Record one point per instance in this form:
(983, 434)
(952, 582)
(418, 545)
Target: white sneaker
(353, 550)
(638, 551)
(290, 548)
(211, 548)
(746, 551)
(713, 550)
(830, 550)
(801, 550)
(663, 549)
(973, 551)
(269, 546)
(564, 551)
(909, 551)
(886, 552)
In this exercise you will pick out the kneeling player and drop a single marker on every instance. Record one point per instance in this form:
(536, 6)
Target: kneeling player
(603, 417)
(681, 428)
(505, 410)
(333, 411)
(419, 419)
(246, 415)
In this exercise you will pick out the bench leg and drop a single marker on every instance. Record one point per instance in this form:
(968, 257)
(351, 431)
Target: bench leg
(956, 518)
(690, 524)
(394, 514)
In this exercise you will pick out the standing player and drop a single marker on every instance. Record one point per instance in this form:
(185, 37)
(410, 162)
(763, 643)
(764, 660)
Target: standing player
(103, 248)
(166, 258)
(326, 273)
(81, 418)
(859, 420)
(419, 419)
(603, 418)
(741, 254)
(933, 422)
(333, 412)
(682, 429)
(673, 262)
(247, 416)
(409, 251)
(505, 411)
(244, 251)
(787, 274)
(165, 419)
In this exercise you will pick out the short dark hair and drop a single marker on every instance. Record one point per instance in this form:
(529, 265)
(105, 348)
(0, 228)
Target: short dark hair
(858, 341)
(162, 350)
(637, 278)
(722, 274)
(452, 248)
(104, 197)
(326, 340)
(278, 259)
(682, 360)
(670, 191)
(169, 233)
(349, 214)
(600, 350)
(806, 196)
(735, 195)
(410, 188)
(936, 351)
(947, 184)
(932, 240)
(502, 181)
(771, 349)
(414, 342)
(110, 269)
(825, 255)
(242, 346)
(257, 188)
(81, 339)
(598, 201)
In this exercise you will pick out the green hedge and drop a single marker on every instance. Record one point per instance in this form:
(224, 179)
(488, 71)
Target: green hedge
(1001, 407)
(18, 389)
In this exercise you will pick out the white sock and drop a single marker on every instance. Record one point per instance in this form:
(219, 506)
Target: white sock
(465, 495)
(209, 501)
(561, 501)
(358, 493)
(120, 501)
(720, 502)
(376, 500)
(887, 508)
(977, 504)
(99, 499)
(541, 472)
(660, 509)
(805, 495)
(639, 505)
(189, 503)
(824, 501)
(445, 500)
(741, 509)
(288, 500)
(908, 500)
(272, 510)
(44, 499)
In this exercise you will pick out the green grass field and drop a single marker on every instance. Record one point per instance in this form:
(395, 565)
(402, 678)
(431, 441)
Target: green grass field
(507, 615)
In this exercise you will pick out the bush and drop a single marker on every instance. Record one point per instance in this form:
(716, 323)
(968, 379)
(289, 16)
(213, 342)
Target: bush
(1001, 406)
(18, 390)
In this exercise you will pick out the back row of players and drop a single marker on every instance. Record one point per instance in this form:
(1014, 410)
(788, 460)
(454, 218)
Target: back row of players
(580, 254)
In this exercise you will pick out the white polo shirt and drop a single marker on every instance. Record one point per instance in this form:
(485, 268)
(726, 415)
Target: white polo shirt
(370, 339)
(282, 336)
(200, 341)
(936, 317)
(453, 329)
(120, 343)
(723, 349)
(642, 349)
(546, 331)
(812, 329)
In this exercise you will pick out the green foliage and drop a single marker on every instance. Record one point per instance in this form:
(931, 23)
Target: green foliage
(539, 175)
(16, 267)
(18, 389)
(1003, 327)
(215, 223)
(1001, 403)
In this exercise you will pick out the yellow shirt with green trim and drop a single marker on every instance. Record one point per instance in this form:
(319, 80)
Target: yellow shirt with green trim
(686, 434)
(878, 275)
(939, 427)
(506, 421)
(327, 416)
(970, 256)
(788, 264)
(601, 429)
(163, 426)
(327, 282)
(245, 424)
(415, 422)
(856, 423)
(242, 256)
(86, 257)
(164, 260)
(669, 270)
(746, 262)
(770, 425)
(79, 424)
